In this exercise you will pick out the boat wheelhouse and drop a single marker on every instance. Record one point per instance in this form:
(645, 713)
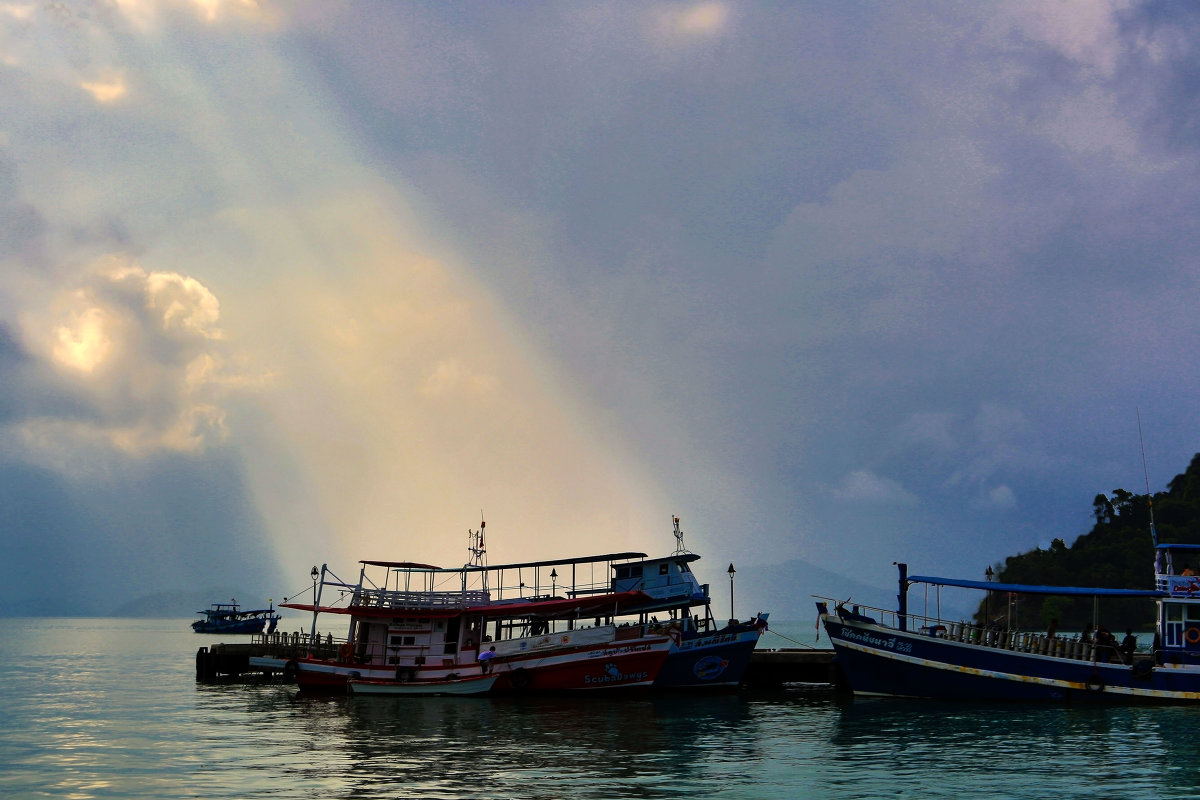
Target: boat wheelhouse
(899, 653)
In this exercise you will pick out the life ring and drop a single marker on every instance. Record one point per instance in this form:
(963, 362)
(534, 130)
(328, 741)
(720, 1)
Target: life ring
(1095, 684)
(520, 678)
(290, 670)
(345, 652)
(1192, 635)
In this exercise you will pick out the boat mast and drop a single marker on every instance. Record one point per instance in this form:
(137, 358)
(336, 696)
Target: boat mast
(679, 548)
(478, 551)
(1146, 472)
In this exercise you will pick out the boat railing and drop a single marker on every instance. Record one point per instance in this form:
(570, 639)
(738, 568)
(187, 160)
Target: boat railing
(992, 636)
(393, 598)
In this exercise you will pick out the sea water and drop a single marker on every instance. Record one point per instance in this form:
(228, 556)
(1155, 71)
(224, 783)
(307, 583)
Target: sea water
(109, 708)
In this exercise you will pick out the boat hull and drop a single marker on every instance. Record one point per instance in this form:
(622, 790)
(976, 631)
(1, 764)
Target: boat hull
(711, 660)
(883, 661)
(477, 685)
(596, 667)
(240, 626)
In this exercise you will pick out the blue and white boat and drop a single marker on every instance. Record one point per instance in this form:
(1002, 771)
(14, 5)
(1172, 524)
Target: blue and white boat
(704, 653)
(229, 618)
(902, 654)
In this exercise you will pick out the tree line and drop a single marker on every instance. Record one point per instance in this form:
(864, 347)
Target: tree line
(1117, 553)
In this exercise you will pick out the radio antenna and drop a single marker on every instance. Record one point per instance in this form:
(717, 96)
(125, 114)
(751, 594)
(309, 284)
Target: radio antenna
(1146, 471)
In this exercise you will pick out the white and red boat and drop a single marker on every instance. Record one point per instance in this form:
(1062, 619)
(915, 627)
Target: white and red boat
(413, 623)
(577, 624)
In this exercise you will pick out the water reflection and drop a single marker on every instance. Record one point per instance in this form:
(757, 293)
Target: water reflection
(111, 709)
(627, 747)
(1056, 750)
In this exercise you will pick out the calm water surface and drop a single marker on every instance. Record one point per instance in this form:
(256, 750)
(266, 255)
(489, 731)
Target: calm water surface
(110, 708)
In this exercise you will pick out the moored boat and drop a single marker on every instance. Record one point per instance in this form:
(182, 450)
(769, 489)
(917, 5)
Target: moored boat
(902, 654)
(228, 618)
(405, 627)
(703, 655)
(592, 627)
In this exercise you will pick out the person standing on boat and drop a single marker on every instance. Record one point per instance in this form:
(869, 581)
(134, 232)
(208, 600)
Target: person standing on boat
(485, 659)
(1106, 644)
(1128, 646)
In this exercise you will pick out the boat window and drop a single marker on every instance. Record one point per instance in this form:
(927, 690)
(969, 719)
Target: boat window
(663, 568)
(1174, 612)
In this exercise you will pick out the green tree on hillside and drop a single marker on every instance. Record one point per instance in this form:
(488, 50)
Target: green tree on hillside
(1117, 553)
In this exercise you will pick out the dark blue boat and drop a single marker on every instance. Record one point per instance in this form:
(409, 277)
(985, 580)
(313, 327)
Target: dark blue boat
(702, 655)
(229, 618)
(901, 654)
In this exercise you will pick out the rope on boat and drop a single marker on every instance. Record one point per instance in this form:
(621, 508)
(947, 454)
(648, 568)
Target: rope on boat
(793, 641)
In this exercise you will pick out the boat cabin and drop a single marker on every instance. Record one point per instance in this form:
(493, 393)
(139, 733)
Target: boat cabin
(669, 581)
(1177, 576)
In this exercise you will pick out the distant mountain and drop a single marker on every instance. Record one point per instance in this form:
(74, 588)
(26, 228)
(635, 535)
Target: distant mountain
(185, 604)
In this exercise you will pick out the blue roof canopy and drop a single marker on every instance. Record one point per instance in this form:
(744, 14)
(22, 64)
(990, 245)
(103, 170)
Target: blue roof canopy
(1023, 588)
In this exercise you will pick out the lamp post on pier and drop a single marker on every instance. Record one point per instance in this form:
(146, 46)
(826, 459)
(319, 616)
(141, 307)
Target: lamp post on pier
(732, 618)
(987, 597)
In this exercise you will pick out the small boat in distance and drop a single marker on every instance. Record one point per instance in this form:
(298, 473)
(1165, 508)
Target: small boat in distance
(901, 654)
(229, 618)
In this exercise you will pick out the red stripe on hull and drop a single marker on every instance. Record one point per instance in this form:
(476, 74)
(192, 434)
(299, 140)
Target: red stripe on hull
(612, 666)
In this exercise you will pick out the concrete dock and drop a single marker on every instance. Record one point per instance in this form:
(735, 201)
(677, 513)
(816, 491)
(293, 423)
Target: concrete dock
(771, 669)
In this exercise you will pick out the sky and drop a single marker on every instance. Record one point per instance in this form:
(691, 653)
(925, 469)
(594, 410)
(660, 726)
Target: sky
(838, 284)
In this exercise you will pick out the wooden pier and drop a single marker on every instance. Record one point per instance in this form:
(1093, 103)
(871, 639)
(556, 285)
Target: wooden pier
(224, 662)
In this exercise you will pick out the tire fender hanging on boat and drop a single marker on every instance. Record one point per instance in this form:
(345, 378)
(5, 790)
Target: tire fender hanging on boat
(1095, 683)
(520, 678)
(290, 669)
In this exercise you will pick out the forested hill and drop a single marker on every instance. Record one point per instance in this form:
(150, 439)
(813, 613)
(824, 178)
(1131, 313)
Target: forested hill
(1117, 553)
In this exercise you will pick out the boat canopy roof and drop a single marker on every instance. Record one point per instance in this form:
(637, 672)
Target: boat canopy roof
(551, 607)
(1177, 547)
(1024, 588)
(411, 567)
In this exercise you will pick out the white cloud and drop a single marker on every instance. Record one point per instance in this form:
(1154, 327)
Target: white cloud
(864, 486)
(998, 498)
(1085, 31)
(682, 24)
(931, 430)
(106, 91)
(140, 355)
